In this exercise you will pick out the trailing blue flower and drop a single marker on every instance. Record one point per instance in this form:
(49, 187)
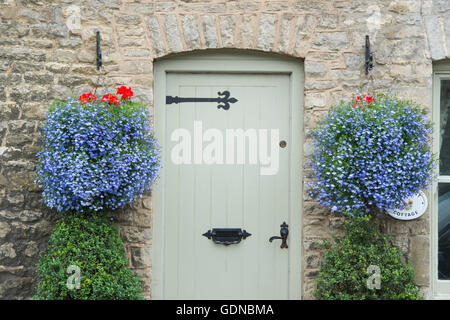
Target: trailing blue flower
(370, 154)
(96, 156)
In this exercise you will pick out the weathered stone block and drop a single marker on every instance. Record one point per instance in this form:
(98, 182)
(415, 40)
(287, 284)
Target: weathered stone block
(133, 31)
(312, 244)
(16, 288)
(191, 32)
(22, 67)
(319, 84)
(51, 31)
(309, 286)
(31, 249)
(123, 217)
(172, 34)
(315, 100)
(35, 231)
(314, 209)
(56, 67)
(210, 31)
(245, 6)
(337, 222)
(9, 79)
(135, 234)
(227, 25)
(420, 258)
(4, 229)
(131, 42)
(305, 25)
(141, 8)
(73, 43)
(440, 6)
(141, 257)
(266, 33)
(284, 41)
(165, 6)
(2, 94)
(155, 37)
(146, 280)
(435, 36)
(315, 68)
(144, 95)
(402, 243)
(345, 74)
(331, 41)
(137, 53)
(38, 78)
(404, 6)
(316, 231)
(328, 21)
(5, 65)
(59, 92)
(72, 80)
(7, 251)
(84, 69)
(128, 19)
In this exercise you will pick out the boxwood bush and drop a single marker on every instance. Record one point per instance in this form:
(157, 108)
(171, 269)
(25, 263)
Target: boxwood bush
(346, 267)
(92, 244)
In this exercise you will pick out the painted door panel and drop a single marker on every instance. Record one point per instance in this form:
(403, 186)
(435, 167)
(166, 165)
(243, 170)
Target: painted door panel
(190, 199)
(200, 197)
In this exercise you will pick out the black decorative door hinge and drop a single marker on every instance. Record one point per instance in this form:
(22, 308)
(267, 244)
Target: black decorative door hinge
(223, 100)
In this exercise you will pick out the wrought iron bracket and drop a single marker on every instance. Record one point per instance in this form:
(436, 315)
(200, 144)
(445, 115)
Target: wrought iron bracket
(369, 56)
(223, 100)
(99, 52)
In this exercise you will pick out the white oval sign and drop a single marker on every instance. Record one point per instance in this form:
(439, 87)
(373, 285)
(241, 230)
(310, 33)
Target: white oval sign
(415, 207)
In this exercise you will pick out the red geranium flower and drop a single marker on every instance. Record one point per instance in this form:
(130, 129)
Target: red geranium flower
(86, 97)
(125, 92)
(110, 99)
(367, 100)
(356, 101)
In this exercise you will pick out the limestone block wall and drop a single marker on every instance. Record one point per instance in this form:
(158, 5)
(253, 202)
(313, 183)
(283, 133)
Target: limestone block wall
(47, 51)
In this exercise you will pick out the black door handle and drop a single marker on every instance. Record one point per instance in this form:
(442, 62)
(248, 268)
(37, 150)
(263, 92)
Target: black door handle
(284, 232)
(227, 236)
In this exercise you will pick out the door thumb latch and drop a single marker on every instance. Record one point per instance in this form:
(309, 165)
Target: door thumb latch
(284, 232)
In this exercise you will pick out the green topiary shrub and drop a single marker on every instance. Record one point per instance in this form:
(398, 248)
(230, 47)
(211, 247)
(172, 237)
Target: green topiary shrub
(93, 245)
(346, 268)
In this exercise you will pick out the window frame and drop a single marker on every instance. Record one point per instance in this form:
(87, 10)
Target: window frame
(440, 288)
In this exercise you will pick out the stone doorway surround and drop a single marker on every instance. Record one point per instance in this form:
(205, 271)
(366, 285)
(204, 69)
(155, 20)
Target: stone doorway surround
(42, 57)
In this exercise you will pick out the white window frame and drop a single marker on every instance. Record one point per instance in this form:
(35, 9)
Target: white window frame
(440, 288)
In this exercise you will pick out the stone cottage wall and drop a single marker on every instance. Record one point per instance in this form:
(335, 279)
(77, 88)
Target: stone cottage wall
(47, 51)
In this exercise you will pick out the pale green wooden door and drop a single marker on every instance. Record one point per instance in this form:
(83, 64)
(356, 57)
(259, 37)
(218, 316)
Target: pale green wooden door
(227, 192)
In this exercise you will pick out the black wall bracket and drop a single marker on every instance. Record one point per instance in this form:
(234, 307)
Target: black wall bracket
(369, 56)
(99, 52)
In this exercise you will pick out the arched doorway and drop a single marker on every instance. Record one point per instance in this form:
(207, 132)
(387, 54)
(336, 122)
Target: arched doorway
(230, 168)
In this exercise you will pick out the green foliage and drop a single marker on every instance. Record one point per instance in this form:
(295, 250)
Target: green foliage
(344, 273)
(91, 243)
